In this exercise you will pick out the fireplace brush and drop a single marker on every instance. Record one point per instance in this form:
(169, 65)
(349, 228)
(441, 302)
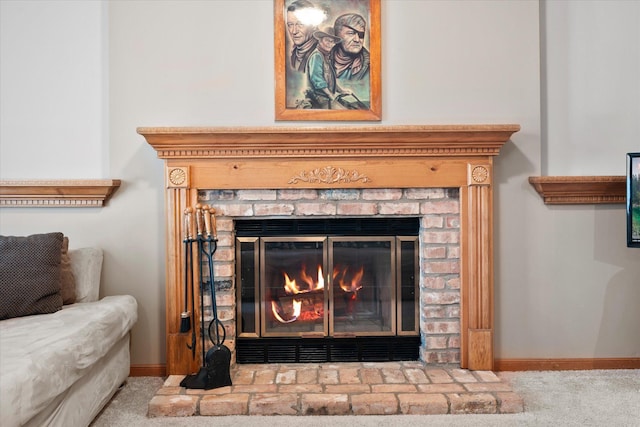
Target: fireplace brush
(215, 370)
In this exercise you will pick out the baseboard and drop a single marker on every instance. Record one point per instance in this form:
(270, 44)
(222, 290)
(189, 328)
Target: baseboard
(148, 371)
(565, 364)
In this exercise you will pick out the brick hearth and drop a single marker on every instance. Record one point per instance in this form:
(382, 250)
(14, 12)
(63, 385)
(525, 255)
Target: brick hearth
(387, 388)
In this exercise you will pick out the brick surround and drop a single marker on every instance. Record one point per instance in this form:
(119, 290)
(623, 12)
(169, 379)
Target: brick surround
(439, 249)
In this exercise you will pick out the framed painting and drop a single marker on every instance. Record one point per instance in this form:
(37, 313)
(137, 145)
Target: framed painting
(327, 60)
(633, 200)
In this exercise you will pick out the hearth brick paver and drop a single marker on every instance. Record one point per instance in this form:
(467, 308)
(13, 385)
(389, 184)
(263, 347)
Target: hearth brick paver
(416, 376)
(371, 376)
(374, 404)
(367, 388)
(307, 376)
(510, 403)
(229, 404)
(328, 376)
(172, 406)
(273, 404)
(467, 403)
(325, 404)
(423, 404)
(394, 376)
(439, 376)
(286, 377)
(349, 376)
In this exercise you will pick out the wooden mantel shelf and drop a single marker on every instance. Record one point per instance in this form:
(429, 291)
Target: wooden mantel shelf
(577, 190)
(57, 193)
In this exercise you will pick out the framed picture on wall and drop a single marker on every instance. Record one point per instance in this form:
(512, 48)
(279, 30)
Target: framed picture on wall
(327, 60)
(633, 200)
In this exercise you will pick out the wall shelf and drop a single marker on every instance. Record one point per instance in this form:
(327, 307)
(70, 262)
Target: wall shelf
(57, 193)
(580, 190)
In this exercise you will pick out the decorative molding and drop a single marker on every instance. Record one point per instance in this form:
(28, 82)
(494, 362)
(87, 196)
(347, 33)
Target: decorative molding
(576, 190)
(57, 193)
(566, 364)
(178, 177)
(323, 142)
(479, 175)
(329, 175)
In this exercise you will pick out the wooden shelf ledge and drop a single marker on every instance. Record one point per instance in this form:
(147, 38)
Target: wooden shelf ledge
(580, 190)
(72, 193)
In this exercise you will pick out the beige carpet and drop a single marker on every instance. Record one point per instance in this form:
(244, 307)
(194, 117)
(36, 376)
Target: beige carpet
(552, 398)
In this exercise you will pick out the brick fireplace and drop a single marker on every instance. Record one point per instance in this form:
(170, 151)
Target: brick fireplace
(441, 175)
(428, 315)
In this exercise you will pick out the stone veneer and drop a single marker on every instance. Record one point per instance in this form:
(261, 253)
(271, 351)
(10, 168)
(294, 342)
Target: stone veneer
(439, 237)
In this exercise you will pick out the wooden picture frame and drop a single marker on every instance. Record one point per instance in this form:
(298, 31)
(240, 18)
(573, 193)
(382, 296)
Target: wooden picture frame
(633, 200)
(316, 82)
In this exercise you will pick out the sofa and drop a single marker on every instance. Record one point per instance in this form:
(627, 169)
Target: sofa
(62, 361)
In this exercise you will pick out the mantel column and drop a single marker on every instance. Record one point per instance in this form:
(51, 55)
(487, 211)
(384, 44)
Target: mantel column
(477, 268)
(179, 195)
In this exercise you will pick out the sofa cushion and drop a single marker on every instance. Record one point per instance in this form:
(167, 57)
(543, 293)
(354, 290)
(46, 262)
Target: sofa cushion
(86, 264)
(30, 274)
(43, 356)
(67, 280)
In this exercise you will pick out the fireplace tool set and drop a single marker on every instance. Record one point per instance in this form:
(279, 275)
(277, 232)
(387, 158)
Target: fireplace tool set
(215, 370)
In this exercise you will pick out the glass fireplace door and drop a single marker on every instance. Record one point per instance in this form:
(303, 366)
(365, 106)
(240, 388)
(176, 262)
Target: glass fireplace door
(362, 291)
(293, 285)
(337, 286)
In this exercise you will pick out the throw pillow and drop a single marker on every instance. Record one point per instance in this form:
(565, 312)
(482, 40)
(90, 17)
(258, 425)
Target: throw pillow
(67, 280)
(30, 274)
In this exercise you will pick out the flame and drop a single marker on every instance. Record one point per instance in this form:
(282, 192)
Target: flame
(291, 287)
(341, 277)
(349, 282)
(297, 307)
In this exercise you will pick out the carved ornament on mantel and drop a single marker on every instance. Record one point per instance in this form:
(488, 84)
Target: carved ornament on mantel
(329, 175)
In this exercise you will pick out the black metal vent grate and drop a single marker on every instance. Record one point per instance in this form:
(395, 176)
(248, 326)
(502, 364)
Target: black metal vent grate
(328, 227)
(296, 350)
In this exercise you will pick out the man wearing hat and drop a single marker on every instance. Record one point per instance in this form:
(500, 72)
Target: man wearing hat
(321, 77)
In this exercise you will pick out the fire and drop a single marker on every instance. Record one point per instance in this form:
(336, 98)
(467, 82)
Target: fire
(307, 291)
(297, 306)
(353, 285)
(291, 287)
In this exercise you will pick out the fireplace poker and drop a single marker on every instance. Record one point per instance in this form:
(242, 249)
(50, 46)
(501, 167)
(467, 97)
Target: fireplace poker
(185, 316)
(199, 238)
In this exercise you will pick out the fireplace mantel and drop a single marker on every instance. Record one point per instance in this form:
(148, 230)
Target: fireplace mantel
(340, 157)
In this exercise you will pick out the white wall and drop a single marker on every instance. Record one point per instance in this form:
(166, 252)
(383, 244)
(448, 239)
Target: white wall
(591, 86)
(565, 283)
(53, 82)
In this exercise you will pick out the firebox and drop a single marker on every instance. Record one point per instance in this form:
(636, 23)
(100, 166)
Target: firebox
(313, 290)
